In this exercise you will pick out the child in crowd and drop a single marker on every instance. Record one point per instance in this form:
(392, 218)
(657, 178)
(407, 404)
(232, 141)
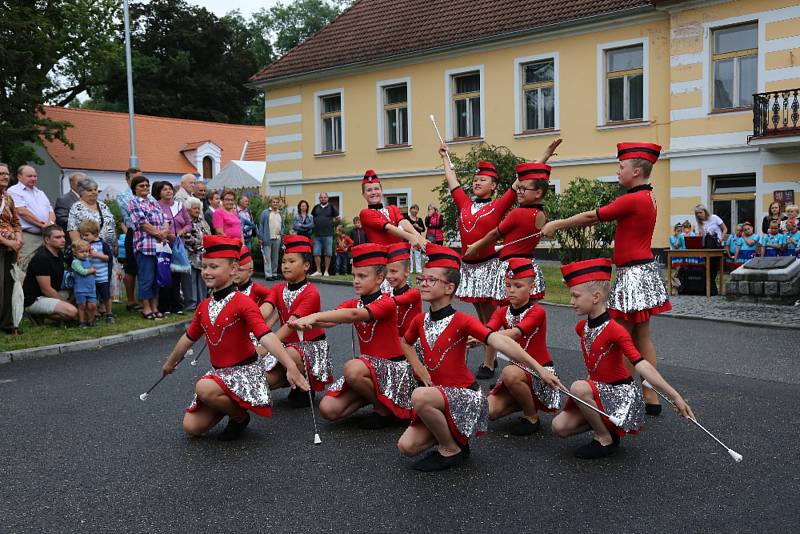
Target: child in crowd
(639, 292)
(343, 245)
(523, 320)
(773, 242)
(101, 256)
(609, 386)
(380, 376)
(293, 298)
(358, 235)
(792, 211)
(792, 239)
(85, 283)
(236, 383)
(677, 242)
(730, 249)
(398, 269)
(748, 244)
(450, 407)
(244, 280)
(688, 231)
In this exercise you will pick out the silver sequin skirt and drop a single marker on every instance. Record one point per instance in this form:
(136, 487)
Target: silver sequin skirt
(467, 412)
(393, 380)
(245, 384)
(639, 288)
(317, 356)
(625, 401)
(545, 398)
(482, 282)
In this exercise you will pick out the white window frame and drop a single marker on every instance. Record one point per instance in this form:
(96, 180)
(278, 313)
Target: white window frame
(519, 109)
(379, 96)
(602, 88)
(449, 111)
(318, 122)
(400, 191)
(711, 29)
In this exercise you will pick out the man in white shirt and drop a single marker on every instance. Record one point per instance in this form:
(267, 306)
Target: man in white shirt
(34, 210)
(186, 189)
(269, 233)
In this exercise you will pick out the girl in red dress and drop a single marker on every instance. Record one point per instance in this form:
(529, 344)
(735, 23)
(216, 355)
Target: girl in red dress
(380, 376)
(398, 268)
(237, 381)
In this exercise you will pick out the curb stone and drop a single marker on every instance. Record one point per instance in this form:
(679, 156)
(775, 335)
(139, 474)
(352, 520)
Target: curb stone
(90, 344)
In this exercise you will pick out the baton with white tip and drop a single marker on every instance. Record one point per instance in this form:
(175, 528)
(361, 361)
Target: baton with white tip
(433, 120)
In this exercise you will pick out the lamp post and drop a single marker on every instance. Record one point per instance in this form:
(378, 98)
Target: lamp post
(134, 159)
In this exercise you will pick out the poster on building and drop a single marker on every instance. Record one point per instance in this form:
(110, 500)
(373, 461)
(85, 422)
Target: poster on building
(784, 197)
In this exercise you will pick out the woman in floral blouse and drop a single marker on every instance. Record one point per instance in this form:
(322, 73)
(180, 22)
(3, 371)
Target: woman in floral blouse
(193, 239)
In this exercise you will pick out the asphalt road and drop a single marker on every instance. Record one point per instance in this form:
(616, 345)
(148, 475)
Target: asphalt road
(82, 453)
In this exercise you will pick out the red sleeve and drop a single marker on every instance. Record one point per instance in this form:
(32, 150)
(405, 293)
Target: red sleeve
(505, 202)
(195, 331)
(624, 205)
(382, 308)
(409, 297)
(460, 198)
(579, 328)
(511, 220)
(625, 343)
(476, 329)
(307, 302)
(347, 304)
(412, 332)
(534, 319)
(372, 219)
(395, 215)
(497, 320)
(274, 295)
(252, 316)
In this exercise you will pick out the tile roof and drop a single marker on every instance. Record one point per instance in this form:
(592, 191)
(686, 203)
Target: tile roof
(375, 29)
(101, 140)
(256, 151)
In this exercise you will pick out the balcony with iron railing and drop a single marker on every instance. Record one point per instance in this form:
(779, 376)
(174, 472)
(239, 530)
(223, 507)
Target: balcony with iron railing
(776, 119)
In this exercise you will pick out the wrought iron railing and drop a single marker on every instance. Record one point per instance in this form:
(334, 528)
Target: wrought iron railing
(776, 113)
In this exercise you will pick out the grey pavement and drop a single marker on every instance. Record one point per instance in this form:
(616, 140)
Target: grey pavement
(82, 453)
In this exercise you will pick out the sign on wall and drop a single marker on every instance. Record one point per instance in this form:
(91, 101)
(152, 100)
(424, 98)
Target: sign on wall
(784, 197)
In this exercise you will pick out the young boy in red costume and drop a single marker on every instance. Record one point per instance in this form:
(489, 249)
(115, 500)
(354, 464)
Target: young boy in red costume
(380, 376)
(450, 407)
(294, 298)
(639, 291)
(524, 321)
(244, 279)
(398, 268)
(609, 387)
(237, 381)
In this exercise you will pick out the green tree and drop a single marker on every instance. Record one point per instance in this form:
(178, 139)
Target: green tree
(293, 23)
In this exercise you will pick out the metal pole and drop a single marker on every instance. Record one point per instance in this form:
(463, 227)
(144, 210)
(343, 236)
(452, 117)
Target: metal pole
(134, 159)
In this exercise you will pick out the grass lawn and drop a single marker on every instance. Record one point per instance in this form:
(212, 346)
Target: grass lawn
(53, 334)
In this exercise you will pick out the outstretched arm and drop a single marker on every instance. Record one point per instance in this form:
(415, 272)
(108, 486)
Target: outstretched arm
(587, 218)
(510, 348)
(405, 231)
(330, 318)
(449, 172)
(293, 375)
(178, 353)
(482, 243)
(652, 375)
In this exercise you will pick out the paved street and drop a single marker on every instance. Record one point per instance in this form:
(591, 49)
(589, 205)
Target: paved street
(82, 453)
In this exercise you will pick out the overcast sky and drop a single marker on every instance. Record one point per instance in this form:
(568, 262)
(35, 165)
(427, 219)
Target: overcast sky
(246, 7)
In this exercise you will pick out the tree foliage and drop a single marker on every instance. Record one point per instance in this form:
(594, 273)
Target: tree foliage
(295, 22)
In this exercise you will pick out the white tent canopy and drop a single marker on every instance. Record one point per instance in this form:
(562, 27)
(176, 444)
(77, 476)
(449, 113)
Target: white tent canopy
(239, 174)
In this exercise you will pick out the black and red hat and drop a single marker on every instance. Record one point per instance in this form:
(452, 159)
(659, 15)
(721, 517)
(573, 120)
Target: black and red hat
(244, 256)
(533, 171)
(646, 151)
(370, 178)
(580, 272)
(220, 246)
(398, 252)
(369, 254)
(486, 169)
(519, 268)
(296, 243)
(442, 257)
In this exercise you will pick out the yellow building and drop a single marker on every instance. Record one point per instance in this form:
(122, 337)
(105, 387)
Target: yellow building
(519, 73)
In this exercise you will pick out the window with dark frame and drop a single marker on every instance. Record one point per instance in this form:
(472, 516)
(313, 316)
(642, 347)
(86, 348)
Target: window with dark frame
(733, 199)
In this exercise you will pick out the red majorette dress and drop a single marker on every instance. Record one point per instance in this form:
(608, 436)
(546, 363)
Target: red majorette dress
(379, 345)
(374, 219)
(482, 277)
(440, 339)
(409, 305)
(227, 318)
(605, 343)
(299, 300)
(255, 291)
(531, 321)
(518, 224)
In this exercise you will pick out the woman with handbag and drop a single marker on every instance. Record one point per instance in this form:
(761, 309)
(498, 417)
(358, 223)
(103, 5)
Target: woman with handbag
(714, 232)
(10, 245)
(149, 232)
(178, 223)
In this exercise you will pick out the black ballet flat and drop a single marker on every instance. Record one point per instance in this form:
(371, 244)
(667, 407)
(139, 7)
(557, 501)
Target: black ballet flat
(299, 398)
(485, 373)
(436, 462)
(652, 409)
(523, 427)
(594, 450)
(234, 429)
(376, 421)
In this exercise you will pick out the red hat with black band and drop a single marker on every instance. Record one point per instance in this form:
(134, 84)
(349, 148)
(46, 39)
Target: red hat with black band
(533, 171)
(646, 151)
(519, 268)
(296, 243)
(398, 252)
(442, 257)
(586, 271)
(221, 247)
(245, 257)
(369, 254)
(486, 169)
(370, 178)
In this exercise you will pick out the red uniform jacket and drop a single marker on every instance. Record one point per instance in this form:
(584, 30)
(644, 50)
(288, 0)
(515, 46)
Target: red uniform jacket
(298, 303)
(377, 337)
(477, 220)
(531, 322)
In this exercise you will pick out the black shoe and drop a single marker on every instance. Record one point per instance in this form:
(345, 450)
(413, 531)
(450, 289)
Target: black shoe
(436, 462)
(485, 372)
(652, 409)
(593, 450)
(375, 421)
(299, 398)
(234, 429)
(523, 427)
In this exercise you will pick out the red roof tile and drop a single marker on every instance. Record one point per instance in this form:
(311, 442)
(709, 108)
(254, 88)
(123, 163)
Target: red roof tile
(101, 140)
(377, 29)
(256, 151)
